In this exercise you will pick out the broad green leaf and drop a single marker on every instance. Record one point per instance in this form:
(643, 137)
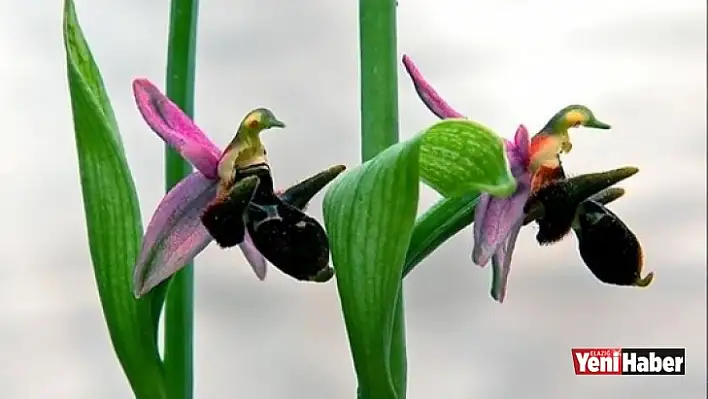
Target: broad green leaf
(112, 216)
(369, 214)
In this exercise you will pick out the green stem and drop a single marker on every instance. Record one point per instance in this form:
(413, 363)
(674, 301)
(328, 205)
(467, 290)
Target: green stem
(379, 76)
(379, 126)
(179, 310)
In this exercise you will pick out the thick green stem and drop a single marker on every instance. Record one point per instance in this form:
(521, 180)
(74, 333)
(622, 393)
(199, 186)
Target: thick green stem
(379, 126)
(179, 309)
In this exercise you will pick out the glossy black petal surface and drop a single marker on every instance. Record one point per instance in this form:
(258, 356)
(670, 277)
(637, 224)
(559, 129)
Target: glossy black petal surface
(292, 241)
(608, 247)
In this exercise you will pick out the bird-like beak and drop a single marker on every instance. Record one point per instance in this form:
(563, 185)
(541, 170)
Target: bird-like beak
(275, 123)
(597, 124)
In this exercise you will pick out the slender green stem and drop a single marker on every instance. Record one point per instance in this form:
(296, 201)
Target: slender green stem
(379, 126)
(179, 310)
(379, 76)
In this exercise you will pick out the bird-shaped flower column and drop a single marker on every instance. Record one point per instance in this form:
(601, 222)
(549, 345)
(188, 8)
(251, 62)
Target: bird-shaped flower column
(233, 193)
(554, 137)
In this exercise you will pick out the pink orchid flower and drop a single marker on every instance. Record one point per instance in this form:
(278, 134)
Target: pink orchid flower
(176, 233)
(497, 220)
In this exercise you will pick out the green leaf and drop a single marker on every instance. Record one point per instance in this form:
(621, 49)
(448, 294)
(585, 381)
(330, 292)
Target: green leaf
(112, 216)
(369, 214)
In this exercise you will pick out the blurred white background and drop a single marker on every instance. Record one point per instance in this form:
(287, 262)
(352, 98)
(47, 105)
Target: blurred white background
(639, 66)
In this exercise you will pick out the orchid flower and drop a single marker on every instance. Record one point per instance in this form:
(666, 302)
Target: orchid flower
(533, 163)
(176, 233)
(497, 220)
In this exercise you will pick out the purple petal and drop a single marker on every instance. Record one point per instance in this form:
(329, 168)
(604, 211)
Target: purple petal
(521, 142)
(175, 128)
(501, 263)
(480, 212)
(175, 234)
(427, 93)
(517, 152)
(497, 222)
(254, 257)
(516, 161)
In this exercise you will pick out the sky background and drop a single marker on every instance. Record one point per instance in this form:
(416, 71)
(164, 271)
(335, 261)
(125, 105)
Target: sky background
(639, 66)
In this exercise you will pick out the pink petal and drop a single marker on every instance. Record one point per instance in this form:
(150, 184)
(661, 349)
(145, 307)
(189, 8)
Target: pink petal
(254, 257)
(522, 142)
(498, 221)
(175, 128)
(501, 263)
(427, 93)
(480, 213)
(175, 234)
(517, 152)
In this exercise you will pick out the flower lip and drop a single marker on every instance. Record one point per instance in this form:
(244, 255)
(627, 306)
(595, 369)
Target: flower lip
(609, 249)
(292, 241)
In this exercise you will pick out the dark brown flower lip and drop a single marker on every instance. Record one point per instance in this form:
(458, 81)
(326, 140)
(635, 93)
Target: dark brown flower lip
(292, 241)
(609, 248)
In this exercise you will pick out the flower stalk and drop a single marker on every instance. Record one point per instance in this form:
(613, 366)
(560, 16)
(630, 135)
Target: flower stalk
(379, 130)
(179, 310)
